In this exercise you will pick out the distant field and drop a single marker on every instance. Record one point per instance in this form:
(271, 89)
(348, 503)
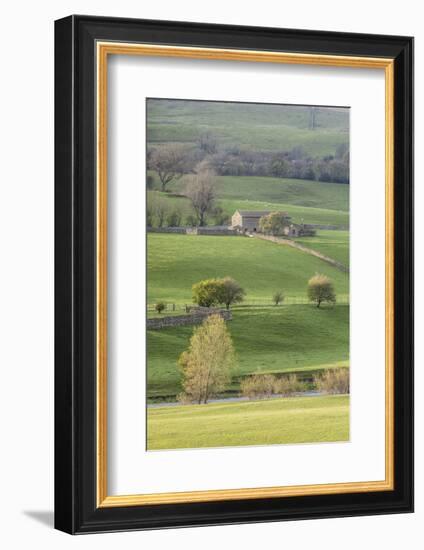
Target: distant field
(176, 262)
(262, 127)
(279, 421)
(314, 194)
(307, 201)
(334, 244)
(299, 214)
(268, 339)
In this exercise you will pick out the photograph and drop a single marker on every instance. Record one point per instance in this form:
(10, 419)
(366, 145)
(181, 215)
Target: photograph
(247, 261)
(233, 254)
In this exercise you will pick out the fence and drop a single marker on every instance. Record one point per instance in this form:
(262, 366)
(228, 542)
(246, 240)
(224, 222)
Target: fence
(196, 316)
(178, 308)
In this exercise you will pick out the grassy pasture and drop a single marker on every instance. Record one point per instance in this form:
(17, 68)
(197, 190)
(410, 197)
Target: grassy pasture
(299, 214)
(308, 201)
(334, 244)
(272, 339)
(266, 127)
(310, 194)
(276, 421)
(269, 339)
(176, 262)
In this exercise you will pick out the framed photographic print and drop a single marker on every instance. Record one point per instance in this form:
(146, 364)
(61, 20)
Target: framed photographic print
(233, 274)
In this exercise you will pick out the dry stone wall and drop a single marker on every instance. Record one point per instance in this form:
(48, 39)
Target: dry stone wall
(196, 316)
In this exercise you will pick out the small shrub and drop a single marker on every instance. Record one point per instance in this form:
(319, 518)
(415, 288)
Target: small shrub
(258, 386)
(289, 385)
(191, 221)
(333, 381)
(185, 399)
(174, 218)
(278, 298)
(160, 306)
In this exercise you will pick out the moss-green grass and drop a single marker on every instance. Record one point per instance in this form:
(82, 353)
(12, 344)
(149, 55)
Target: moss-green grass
(275, 421)
(307, 201)
(256, 126)
(176, 262)
(272, 339)
(334, 244)
(310, 194)
(299, 214)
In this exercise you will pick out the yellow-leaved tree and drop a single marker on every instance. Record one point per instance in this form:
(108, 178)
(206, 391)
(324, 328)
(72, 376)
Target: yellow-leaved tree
(206, 365)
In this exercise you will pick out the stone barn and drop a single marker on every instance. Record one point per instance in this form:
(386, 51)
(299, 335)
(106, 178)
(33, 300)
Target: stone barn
(247, 220)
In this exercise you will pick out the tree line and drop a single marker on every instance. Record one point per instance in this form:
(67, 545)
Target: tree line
(171, 161)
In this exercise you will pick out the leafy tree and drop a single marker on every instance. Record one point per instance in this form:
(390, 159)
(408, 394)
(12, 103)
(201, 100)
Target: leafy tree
(278, 298)
(169, 162)
(174, 218)
(230, 292)
(280, 168)
(160, 306)
(191, 220)
(156, 209)
(321, 289)
(200, 191)
(160, 209)
(274, 223)
(221, 218)
(206, 365)
(211, 292)
(149, 210)
(208, 292)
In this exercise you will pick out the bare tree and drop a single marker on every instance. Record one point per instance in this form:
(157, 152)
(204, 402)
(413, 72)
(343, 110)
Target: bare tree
(169, 162)
(200, 191)
(278, 297)
(208, 143)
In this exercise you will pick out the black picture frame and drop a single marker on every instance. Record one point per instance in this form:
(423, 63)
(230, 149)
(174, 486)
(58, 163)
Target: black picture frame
(76, 510)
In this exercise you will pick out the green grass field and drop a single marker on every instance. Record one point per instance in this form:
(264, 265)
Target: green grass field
(266, 127)
(307, 201)
(310, 194)
(272, 339)
(269, 339)
(271, 422)
(334, 244)
(176, 262)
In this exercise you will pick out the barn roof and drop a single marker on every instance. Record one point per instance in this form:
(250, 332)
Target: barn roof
(257, 213)
(254, 213)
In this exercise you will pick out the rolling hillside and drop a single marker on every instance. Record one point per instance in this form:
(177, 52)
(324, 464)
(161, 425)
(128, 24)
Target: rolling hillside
(307, 201)
(266, 338)
(293, 338)
(176, 262)
(266, 127)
